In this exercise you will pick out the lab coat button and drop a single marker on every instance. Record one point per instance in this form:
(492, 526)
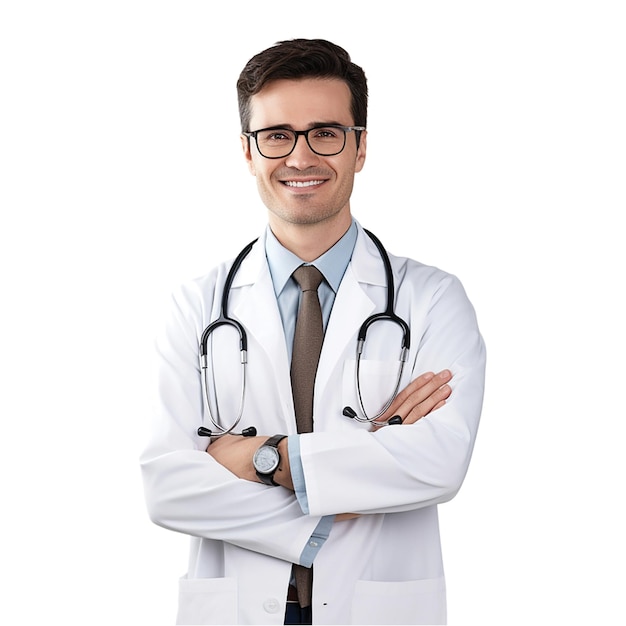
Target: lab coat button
(271, 605)
(313, 544)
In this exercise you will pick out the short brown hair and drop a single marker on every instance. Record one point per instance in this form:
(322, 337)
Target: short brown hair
(301, 58)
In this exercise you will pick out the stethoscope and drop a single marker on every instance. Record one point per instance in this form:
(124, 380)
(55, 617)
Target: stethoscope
(223, 320)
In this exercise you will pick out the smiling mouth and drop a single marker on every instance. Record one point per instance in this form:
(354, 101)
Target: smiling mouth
(302, 183)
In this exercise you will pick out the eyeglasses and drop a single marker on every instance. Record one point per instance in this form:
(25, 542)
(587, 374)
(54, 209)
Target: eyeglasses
(278, 143)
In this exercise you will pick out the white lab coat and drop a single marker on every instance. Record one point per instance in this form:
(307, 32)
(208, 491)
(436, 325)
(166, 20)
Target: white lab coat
(384, 567)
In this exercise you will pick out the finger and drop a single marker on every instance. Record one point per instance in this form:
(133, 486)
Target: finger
(435, 401)
(413, 416)
(417, 392)
(413, 387)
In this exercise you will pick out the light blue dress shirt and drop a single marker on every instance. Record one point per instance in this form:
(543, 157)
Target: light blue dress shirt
(332, 264)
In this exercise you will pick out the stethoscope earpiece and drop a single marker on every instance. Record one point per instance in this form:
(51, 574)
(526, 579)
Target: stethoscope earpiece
(348, 411)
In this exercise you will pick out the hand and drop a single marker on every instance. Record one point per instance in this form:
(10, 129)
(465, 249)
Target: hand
(420, 397)
(235, 454)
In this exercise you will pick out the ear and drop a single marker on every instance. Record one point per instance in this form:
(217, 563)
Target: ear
(247, 155)
(361, 152)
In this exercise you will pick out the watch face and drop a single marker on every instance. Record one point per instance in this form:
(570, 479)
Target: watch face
(266, 459)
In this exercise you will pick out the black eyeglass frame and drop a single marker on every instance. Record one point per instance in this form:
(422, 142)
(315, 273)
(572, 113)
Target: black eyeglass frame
(297, 133)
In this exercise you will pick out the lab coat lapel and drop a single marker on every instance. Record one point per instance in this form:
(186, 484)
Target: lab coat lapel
(352, 306)
(257, 310)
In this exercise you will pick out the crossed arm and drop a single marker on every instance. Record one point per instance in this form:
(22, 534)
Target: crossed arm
(426, 393)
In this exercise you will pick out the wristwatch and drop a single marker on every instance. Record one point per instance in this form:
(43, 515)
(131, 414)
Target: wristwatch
(267, 459)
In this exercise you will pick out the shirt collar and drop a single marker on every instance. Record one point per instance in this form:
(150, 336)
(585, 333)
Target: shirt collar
(332, 263)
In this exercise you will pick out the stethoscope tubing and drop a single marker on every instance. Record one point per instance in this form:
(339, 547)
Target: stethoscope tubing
(388, 315)
(223, 320)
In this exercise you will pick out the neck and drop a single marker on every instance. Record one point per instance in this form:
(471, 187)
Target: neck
(310, 241)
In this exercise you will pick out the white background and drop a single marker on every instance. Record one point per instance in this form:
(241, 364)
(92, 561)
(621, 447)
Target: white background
(496, 151)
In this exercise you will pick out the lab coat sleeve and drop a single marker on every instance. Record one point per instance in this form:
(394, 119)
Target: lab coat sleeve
(406, 467)
(188, 491)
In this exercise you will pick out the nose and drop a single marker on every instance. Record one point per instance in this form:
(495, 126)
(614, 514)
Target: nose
(302, 155)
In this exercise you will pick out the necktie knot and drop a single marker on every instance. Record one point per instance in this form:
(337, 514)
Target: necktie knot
(308, 277)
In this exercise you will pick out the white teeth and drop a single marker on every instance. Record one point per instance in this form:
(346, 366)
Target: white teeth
(306, 183)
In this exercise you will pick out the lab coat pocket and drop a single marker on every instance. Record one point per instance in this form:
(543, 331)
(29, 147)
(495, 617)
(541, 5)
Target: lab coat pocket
(408, 602)
(207, 601)
(377, 380)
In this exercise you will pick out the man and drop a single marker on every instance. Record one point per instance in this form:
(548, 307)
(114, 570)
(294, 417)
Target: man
(340, 527)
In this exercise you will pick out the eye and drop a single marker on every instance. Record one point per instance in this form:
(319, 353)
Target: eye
(325, 133)
(277, 135)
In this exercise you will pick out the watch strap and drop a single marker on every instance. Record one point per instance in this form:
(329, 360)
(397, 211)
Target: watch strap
(274, 440)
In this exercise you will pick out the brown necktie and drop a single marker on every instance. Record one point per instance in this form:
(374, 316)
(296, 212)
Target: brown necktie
(307, 345)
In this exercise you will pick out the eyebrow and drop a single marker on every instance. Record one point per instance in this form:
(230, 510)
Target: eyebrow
(312, 125)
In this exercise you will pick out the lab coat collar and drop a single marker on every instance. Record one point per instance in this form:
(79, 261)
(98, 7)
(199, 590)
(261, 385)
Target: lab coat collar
(367, 266)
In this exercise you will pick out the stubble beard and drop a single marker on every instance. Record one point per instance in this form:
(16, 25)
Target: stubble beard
(303, 210)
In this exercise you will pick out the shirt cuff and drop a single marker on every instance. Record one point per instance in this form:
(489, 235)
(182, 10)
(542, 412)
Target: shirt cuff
(322, 530)
(297, 472)
(317, 540)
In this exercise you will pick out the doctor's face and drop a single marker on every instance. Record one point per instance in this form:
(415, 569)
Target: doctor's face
(304, 187)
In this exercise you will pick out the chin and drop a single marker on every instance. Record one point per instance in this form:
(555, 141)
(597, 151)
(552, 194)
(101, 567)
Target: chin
(308, 216)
